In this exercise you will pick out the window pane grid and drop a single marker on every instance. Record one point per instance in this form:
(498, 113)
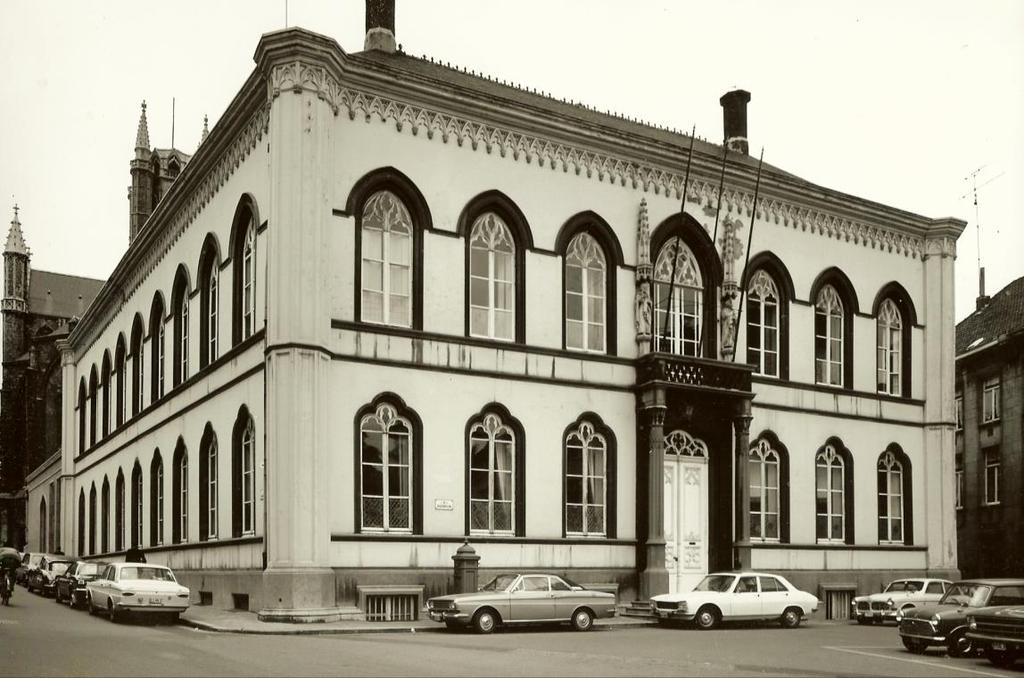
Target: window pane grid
(889, 343)
(211, 319)
(492, 288)
(492, 477)
(763, 325)
(586, 482)
(992, 470)
(764, 492)
(890, 500)
(248, 281)
(585, 295)
(386, 471)
(830, 513)
(386, 261)
(248, 480)
(183, 498)
(990, 402)
(828, 338)
(211, 491)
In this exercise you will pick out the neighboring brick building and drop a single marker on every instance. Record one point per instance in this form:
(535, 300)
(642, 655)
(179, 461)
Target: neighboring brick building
(37, 309)
(990, 423)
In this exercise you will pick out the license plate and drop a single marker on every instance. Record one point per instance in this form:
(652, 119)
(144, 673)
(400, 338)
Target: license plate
(156, 601)
(999, 646)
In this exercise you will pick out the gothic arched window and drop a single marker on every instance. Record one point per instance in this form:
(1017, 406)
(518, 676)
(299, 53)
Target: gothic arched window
(763, 321)
(138, 370)
(119, 511)
(585, 288)
(137, 505)
(889, 347)
(105, 516)
(828, 337)
(833, 493)
(892, 502)
(243, 475)
(386, 248)
(492, 279)
(678, 299)
(765, 467)
(249, 280)
(179, 500)
(157, 349)
(179, 309)
(156, 501)
(209, 501)
(386, 467)
(586, 481)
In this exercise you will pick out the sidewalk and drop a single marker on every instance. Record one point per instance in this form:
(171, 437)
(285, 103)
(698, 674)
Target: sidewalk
(227, 621)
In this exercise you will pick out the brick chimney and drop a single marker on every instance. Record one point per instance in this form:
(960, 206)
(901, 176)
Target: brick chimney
(734, 117)
(983, 299)
(380, 25)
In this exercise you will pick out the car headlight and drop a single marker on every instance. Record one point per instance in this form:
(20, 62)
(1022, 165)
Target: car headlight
(889, 603)
(682, 606)
(972, 624)
(935, 619)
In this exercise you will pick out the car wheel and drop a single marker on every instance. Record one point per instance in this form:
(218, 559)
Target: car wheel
(706, 618)
(111, 612)
(582, 619)
(1004, 659)
(485, 621)
(959, 645)
(914, 646)
(89, 605)
(790, 619)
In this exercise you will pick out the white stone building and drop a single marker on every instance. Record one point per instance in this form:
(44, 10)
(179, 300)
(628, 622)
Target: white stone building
(374, 251)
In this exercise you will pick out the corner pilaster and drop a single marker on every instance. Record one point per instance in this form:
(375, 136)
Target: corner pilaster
(654, 578)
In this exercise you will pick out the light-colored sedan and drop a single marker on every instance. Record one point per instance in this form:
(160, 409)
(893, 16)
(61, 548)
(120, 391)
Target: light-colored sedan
(898, 596)
(523, 599)
(136, 587)
(728, 596)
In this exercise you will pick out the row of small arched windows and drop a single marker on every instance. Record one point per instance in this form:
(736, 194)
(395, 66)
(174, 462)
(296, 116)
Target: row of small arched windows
(103, 400)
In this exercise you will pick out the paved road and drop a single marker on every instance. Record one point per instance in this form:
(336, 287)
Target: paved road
(39, 637)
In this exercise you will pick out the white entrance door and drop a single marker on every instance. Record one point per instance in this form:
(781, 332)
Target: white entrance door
(686, 510)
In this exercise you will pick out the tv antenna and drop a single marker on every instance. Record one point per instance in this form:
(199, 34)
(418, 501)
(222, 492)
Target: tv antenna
(973, 178)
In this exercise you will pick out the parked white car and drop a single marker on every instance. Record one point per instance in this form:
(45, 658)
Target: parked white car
(898, 596)
(136, 587)
(728, 596)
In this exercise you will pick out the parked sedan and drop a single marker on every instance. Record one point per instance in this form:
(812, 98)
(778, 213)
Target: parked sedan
(945, 623)
(523, 599)
(44, 578)
(901, 594)
(999, 633)
(728, 596)
(133, 587)
(70, 586)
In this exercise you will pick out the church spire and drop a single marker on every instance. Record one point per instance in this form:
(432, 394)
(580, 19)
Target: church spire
(15, 239)
(142, 136)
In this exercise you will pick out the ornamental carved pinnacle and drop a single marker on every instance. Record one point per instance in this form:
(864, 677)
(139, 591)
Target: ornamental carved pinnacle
(298, 76)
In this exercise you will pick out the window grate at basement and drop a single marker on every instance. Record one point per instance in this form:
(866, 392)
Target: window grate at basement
(206, 597)
(837, 603)
(240, 601)
(393, 608)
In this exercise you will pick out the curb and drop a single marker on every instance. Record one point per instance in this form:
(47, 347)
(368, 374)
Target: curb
(312, 630)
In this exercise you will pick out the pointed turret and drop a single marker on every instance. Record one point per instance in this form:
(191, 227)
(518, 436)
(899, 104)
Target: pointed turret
(15, 299)
(142, 136)
(206, 129)
(15, 239)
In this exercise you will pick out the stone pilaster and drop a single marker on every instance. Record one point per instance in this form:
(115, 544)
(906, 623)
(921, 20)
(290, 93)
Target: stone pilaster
(741, 433)
(654, 578)
(298, 582)
(939, 527)
(644, 305)
(68, 449)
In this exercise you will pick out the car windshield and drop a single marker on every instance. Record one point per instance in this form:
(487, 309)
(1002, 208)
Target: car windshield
(716, 582)
(971, 595)
(499, 583)
(59, 568)
(150, 573)
(87, 568)
(903, 585)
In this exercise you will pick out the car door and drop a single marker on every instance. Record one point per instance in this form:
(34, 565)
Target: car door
(532, 600)
(746, 598)
(774, 597)
(564, 597)
(933, 592)
(101, 587)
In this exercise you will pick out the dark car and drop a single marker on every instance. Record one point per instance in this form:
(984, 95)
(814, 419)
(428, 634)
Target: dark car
(70, 586)
(999, 633)
(44, 578)
(29, 563)
(945, 623)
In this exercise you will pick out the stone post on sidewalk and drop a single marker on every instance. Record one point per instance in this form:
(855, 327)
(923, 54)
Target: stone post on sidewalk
(467, 567)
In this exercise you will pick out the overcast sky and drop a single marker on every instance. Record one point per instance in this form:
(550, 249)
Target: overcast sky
(896, 102)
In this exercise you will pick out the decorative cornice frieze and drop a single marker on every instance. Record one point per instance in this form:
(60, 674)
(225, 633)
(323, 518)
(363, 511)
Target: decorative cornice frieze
(297, 76)
(554, 155)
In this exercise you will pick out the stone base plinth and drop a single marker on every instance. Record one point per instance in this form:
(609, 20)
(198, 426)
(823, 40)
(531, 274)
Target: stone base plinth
(300, 595)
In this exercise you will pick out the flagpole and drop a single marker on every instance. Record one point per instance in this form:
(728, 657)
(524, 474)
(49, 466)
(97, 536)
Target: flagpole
(714, 238)
(746, 262)
(675, 253)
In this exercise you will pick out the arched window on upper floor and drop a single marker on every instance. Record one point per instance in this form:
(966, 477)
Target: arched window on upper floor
(243, 265)
(156, 500)
(243, 475)
(119, 370)
(105, 516)
(389, 467)
(895, 497)
(834, 493)
(769, 489)
(391, 216)
(589, 487)
(82, 422)
(105, 385)
(157, 348)
(43, 522)
(138, 365)
(209, 485)
(769, 291)
(835, 304)
(590, 257)
(497, 237)
(179, 494)
(179, 309)
(496, 487)
(895, 317)
(209, 301)
(94, 384)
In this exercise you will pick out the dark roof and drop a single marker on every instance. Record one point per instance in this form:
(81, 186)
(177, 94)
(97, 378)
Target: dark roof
(1003, 315)
(457, 80)
(59, 295)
